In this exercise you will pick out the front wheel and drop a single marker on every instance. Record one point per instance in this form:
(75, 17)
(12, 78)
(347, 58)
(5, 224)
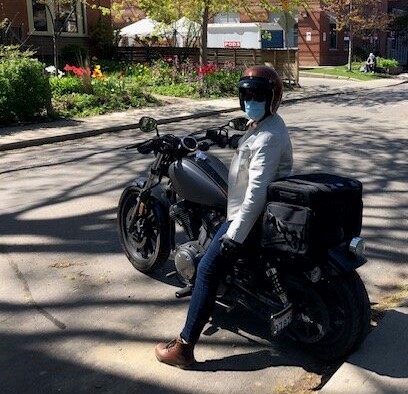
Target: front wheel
(146, 241)
(328, 320)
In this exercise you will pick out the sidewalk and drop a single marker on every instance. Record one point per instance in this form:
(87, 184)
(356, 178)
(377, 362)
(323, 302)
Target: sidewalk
(175, 109)
(380, 366)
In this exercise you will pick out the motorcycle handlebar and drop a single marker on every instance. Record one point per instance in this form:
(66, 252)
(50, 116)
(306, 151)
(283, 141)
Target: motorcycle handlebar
(143, 147)
(218, 135)
(146, 147)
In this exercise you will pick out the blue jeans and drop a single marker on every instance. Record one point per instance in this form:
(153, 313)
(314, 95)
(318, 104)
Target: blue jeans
(205, 289)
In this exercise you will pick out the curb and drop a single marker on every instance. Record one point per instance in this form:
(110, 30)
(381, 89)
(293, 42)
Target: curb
(306, 74)
(110, 129)
(130, 126)
(113, 129)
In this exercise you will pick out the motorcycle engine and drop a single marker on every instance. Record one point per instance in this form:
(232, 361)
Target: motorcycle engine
(186, 259)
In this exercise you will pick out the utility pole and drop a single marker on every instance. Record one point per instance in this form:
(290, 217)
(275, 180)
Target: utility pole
(285, 9)
(350, 48)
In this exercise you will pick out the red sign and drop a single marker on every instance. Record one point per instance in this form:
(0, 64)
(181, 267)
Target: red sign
(232, 44)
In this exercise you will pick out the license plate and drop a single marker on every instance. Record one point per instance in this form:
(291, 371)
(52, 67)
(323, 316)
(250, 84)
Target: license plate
(281, 320)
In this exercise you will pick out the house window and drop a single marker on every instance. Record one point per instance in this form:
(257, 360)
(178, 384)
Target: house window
(66, 17)
(227, 17)
(54, 16)
(39, 16)
(333, 36)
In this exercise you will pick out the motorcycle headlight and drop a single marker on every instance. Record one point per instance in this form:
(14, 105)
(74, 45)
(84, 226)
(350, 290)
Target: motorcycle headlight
(357, 247)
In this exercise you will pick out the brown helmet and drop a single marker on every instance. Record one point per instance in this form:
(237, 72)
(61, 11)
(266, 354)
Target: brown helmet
(262, 78)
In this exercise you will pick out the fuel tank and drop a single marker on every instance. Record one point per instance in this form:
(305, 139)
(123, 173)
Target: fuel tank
(202, 179)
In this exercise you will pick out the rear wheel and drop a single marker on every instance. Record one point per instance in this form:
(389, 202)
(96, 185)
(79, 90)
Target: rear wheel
(327, 318)
(145, 242)
(360, 296)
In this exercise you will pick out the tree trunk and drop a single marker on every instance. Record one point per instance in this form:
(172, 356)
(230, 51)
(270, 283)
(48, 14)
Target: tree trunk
(286, 13)
(350, 48)
(350, 51)
(204, 36)
(55, 49)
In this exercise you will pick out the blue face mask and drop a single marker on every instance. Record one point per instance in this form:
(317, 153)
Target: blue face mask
(255, 109)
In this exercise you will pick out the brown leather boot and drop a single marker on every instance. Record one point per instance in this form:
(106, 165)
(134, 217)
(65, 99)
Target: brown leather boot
(176, 353)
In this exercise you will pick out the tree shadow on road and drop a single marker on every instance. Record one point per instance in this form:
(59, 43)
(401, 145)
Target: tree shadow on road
(47, 361)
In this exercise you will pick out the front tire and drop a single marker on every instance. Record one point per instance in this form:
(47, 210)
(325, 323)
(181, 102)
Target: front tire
(147, 244)
(328, 319)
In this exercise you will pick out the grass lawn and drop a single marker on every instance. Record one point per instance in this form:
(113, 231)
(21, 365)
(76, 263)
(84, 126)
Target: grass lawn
(341, 71)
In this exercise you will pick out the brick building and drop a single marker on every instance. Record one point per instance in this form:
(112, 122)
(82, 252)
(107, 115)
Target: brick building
(319, 43)
(397, 42)
(31, 24)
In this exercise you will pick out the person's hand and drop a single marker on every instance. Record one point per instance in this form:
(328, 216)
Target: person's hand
(220, 139)
(229, 248)
(233, 141)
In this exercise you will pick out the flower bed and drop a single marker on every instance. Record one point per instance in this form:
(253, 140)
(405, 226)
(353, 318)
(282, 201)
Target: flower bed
(82, 91)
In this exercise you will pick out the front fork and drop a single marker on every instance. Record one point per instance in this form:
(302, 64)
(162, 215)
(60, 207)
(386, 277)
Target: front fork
(139, 208)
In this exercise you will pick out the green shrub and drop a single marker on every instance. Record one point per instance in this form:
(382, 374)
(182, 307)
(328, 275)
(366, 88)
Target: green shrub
(108, 94)
(77, 104)
(386, 63)
(137, 96)
(177, 90)
(8, 52)
(163, 73)
(66, 85)
(383, 64)
(140, 72)
(24, 90)
(220, 84)
(73, 54)
(102, 41)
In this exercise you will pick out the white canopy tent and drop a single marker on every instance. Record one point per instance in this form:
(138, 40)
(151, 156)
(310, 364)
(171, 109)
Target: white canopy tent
(144, 27)
(183, 30)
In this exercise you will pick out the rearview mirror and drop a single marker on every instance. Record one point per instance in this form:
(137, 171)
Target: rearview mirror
(239, 124)
(147, 124)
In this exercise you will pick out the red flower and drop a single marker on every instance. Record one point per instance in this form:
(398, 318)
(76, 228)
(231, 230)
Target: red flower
(207, 69)
(78, 70)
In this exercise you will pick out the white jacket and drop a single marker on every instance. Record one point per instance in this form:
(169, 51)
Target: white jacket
(264, 154)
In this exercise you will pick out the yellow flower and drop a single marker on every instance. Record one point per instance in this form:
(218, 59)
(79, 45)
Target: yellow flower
(97, 72)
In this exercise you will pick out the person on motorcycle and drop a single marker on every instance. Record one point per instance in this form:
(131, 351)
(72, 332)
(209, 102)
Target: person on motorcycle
(263, 154)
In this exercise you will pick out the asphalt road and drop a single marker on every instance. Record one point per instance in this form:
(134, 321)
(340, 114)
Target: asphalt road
(76, 317)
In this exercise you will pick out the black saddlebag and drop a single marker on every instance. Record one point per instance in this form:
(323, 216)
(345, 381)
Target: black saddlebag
(311, 212)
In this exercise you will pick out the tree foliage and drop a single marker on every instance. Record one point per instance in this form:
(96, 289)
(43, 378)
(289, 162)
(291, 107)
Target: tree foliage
(199, 11)
(360, 18)
(60, 12)
(400, 23)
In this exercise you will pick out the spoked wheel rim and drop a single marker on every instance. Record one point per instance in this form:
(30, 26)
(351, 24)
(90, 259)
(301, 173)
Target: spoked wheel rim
(331, 304)
(336, 312)
(310, 316)
(143, 236)
(142, 241)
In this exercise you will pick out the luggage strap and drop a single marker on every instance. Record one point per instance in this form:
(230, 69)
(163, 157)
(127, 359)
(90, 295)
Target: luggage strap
(292, 237)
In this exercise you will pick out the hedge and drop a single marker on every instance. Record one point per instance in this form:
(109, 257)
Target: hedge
(24, 90)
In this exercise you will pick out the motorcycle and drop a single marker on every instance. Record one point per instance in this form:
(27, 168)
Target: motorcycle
(318, 300)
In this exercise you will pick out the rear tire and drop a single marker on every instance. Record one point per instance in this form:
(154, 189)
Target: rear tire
(147, 246)
(360, 295)
(327, 318)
